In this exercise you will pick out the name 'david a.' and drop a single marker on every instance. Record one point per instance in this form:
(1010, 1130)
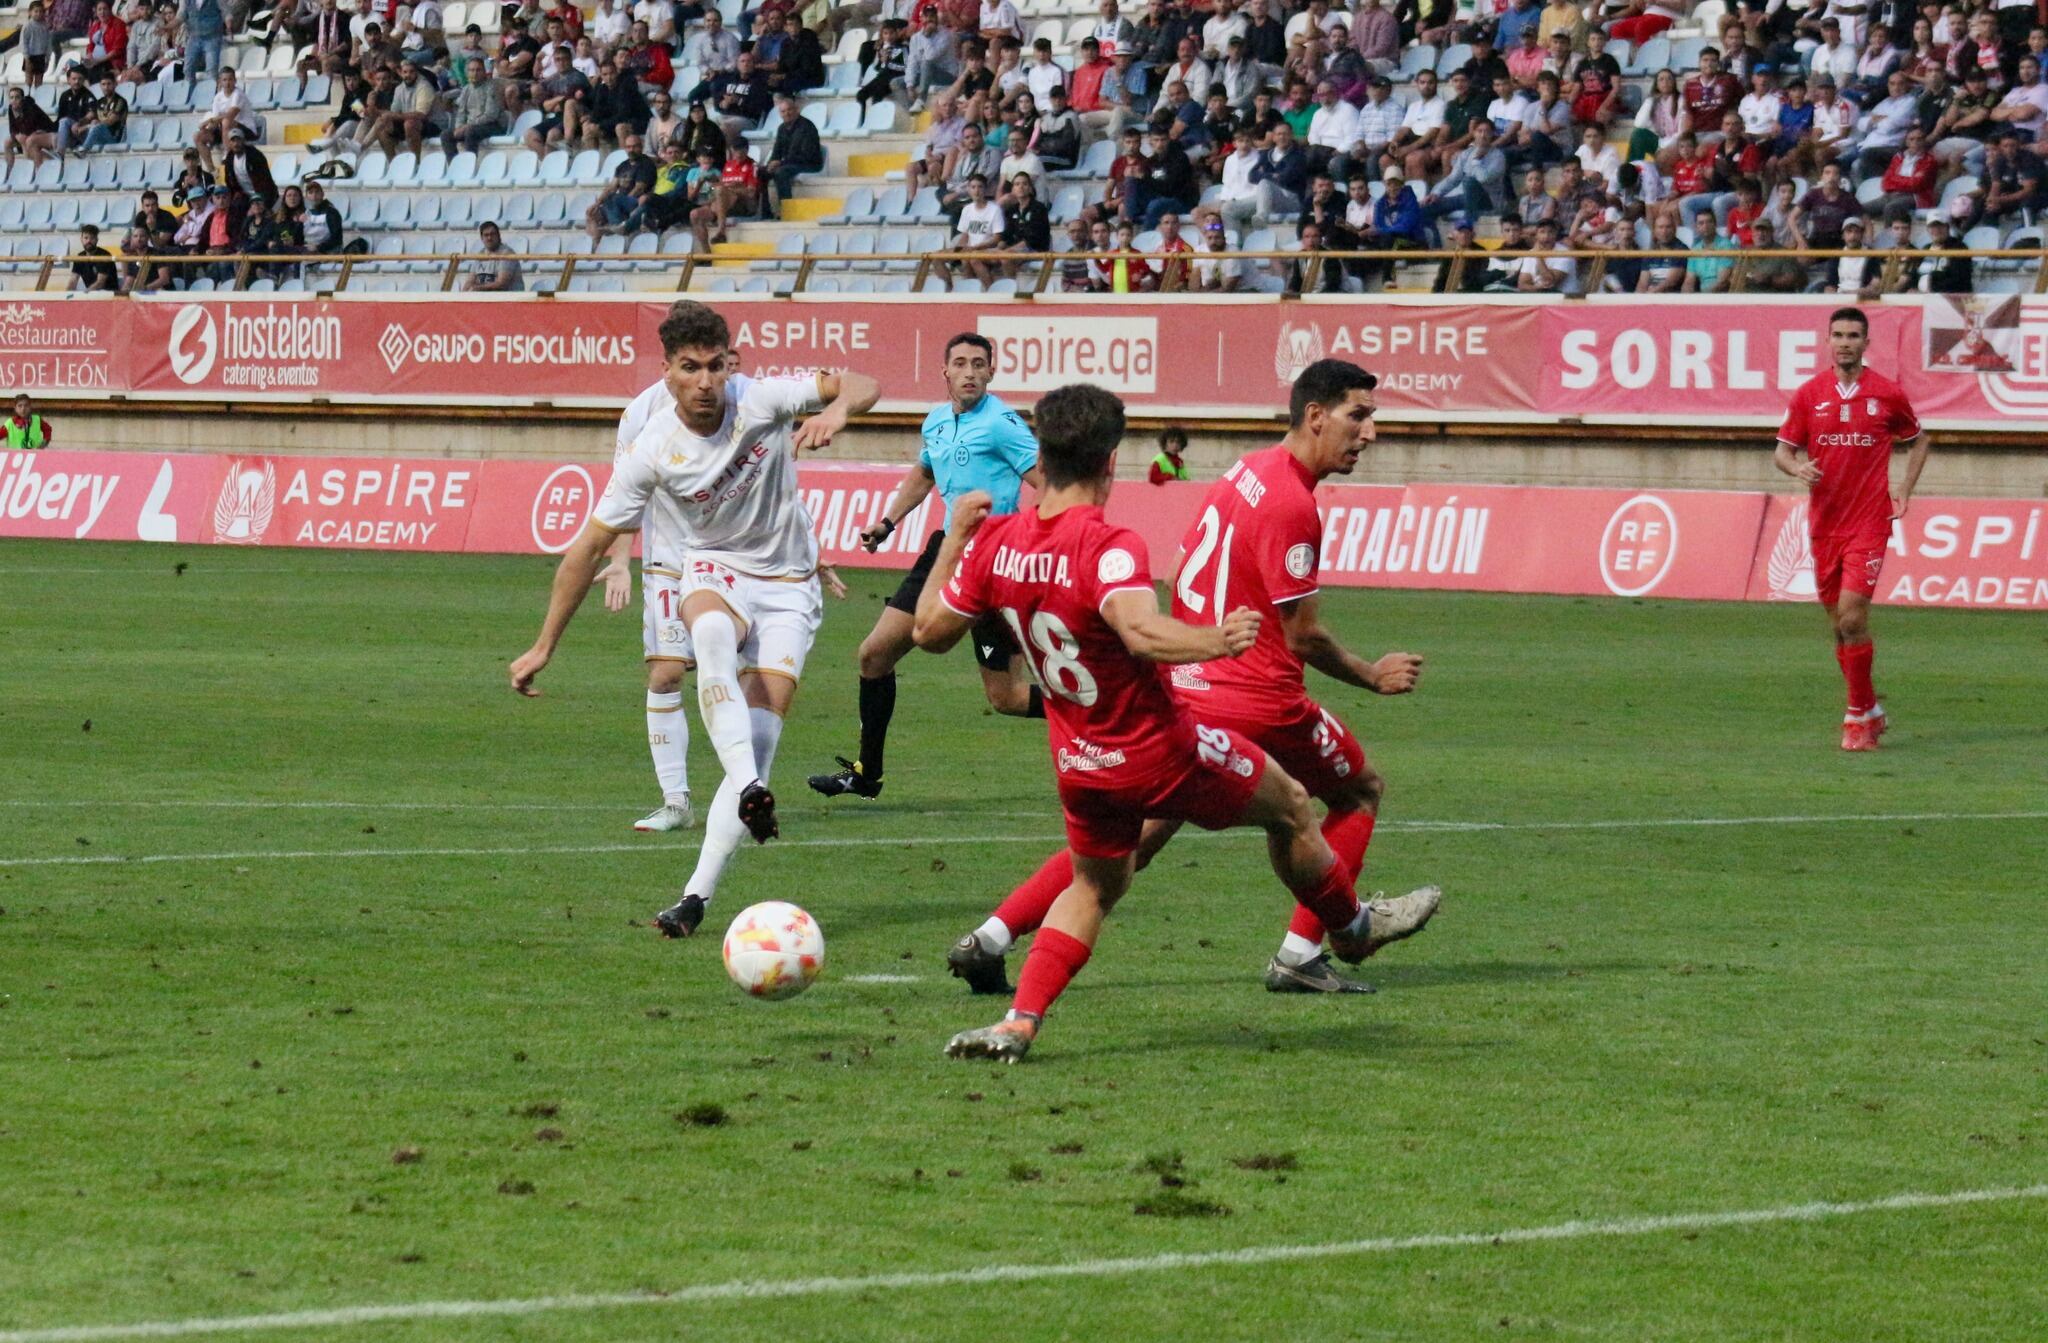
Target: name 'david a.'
(1020, 567)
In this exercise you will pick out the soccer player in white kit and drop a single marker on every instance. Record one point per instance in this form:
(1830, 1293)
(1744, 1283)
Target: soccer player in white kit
(720, 462)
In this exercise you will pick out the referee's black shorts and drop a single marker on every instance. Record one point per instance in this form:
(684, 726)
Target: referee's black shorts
(993, 644)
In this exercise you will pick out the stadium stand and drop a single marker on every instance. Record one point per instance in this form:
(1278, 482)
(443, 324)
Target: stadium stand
(1285, 147)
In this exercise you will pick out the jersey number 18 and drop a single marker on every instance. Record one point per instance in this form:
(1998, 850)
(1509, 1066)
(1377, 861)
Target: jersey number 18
(1055, 656)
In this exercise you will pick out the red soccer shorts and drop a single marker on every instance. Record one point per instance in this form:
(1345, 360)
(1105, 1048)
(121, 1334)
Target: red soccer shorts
(1847, 562)
(1315, 747)
(1213, 792)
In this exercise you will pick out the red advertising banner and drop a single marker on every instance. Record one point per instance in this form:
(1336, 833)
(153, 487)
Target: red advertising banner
(1719, 545)
(441, 350)
(1983, 553)
(1967, 362)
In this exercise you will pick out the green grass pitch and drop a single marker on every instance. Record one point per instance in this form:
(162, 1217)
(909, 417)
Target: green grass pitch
(278, 1081)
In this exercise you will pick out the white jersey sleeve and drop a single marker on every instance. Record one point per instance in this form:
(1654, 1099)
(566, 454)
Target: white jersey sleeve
(784, 398)
(623, 505)
(638, 412)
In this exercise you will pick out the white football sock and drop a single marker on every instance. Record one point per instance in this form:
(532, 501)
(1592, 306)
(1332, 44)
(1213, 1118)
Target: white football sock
(719, 700)
(1298, 950)
(722, 835)
(668, 740)
(995, 937)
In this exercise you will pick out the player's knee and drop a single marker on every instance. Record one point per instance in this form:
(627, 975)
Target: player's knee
(1292, 813)
(1368, 789)
(876, 660)
(1009, 696)
(665, 678)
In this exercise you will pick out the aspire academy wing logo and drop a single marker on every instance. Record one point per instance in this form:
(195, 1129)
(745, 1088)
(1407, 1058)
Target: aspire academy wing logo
(194, 344)
(247, 498)
(1790, 568)
(1295, 350)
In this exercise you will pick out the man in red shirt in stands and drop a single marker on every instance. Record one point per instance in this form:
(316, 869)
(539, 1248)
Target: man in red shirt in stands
(1846, 421)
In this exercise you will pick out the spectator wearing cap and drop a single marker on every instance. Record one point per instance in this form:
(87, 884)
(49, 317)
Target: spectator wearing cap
(1527, 59)
(1544, 135)
(1770, 271)
(1397, 225)
(1965, 125)
(1472, 273)
(1943, 269)
(1216, 270)
(247, 170)
(1168, 463)
(1858, 275)
(321, 224)
(498, 272)
(1379, 121)
(1562, 17)
(1058, 136)
(27, 430)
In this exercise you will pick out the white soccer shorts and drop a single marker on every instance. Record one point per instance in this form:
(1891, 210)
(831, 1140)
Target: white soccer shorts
(781, 615)
(662, 631)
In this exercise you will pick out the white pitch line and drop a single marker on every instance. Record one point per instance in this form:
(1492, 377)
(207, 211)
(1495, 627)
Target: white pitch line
(880, 979)
(249, 804)
(884, 841)
(757, 1290)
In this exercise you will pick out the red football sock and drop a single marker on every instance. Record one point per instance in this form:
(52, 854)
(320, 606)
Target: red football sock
(1856, 660)
(1330, 899)
(1055, 959)
(1348, 832)
(1025, 908)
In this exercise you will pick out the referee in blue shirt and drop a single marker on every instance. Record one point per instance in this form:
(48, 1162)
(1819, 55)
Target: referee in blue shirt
(971, 442)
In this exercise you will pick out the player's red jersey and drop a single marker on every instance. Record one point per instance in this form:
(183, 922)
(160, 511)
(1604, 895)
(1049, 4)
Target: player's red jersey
(1254, 543)
(1111, 721)
(1849, 433)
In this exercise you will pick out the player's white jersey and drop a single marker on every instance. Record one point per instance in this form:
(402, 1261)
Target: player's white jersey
(661, 543)
(735, 491)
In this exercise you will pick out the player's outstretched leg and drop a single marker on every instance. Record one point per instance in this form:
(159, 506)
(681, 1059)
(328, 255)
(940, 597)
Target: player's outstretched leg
(724, 708)
(1058, 953)
(978, 956)
(1301, 965)
(724, 829)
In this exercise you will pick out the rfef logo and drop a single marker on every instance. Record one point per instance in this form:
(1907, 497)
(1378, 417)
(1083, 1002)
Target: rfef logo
(1638, 545)
(561, 507)
(194, 344)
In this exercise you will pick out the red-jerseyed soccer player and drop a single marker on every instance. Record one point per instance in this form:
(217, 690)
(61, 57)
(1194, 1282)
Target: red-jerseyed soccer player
(1077, 593)
(1846, 421)
(1256, 543)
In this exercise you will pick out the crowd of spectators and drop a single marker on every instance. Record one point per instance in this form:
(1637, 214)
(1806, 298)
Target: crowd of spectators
(1794, 124)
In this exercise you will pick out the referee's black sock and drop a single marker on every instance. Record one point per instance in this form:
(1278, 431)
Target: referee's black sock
(1036, 708)
(877, 707)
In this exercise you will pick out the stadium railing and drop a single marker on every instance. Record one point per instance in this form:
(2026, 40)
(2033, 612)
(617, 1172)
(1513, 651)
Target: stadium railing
(1033, 272)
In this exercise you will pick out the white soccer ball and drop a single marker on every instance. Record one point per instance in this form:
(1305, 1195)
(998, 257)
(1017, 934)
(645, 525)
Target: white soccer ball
(774, 950)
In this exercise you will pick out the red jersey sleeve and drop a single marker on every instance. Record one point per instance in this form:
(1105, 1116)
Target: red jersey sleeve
(1904, 423)
(1119, 564)
(1285, 549)
(966, 592)
(1793, 429)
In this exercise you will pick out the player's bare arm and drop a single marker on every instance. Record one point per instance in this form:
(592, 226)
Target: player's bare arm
(1916, 462)
(617, 576)
(834, 584)
(937, 626)
(845, 395)
(573, 578)
(1155, 636)
(1311, 641)
(1795, 463)
(911, 491)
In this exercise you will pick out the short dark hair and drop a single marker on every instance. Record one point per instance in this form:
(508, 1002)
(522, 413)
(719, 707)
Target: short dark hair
(1326, 382)
(1850, 315)
(1079, 427)
(974, 338)
(693, 326)
(1173, 433)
